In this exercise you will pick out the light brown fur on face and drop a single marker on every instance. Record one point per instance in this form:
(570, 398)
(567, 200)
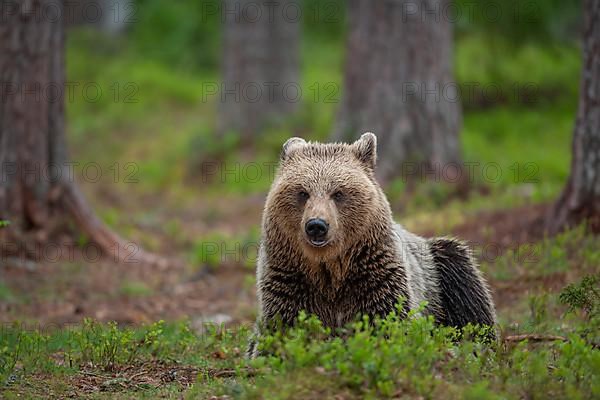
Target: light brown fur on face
(332, 182)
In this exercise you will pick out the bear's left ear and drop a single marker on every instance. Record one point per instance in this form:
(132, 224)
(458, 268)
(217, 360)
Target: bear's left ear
(365, 149)
(289, 145)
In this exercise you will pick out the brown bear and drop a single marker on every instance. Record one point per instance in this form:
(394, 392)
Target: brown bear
(330, 247)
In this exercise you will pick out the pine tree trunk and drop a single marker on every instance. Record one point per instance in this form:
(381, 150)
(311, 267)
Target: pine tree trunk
(260, 65)
(26, 67)
(109, 16)
(36, 191)
(399, 83)
(580, 200)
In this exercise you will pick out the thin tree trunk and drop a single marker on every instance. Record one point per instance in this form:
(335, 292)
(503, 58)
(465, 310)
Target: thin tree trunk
(580, 199)
(260, 67)
(398, 83)
(36, 192)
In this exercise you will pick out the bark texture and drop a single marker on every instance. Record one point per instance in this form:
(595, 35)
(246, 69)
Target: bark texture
(37, 193)
(30, 126)
(580, 199)
(399, 84)
(260, 66)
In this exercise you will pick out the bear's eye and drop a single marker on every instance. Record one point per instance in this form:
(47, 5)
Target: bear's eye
(338, 196)
(303, 195)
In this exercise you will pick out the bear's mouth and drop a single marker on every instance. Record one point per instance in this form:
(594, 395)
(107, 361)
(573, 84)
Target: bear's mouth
(318, 242)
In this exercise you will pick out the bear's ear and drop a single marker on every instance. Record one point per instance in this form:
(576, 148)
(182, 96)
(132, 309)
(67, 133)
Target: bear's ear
(365, 149)
(291, 144)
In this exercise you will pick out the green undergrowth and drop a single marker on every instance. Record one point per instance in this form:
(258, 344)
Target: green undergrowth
(217, 249)
(571, 252)
(386, 358)
(29, 355)
(414, 358)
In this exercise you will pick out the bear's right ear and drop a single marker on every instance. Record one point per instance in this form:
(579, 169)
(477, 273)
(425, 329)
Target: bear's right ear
(291, 144)
(365, 149)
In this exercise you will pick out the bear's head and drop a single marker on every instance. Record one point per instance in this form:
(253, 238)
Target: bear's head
(325, 198)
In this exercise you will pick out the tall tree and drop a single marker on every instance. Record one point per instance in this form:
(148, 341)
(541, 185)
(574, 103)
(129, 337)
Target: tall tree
(398, 82)
(260, 65)
(580, 199)
(109, 16)
(37, 190)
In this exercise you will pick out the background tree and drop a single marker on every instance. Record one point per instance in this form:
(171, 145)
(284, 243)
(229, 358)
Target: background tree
(109, 16)
(260, 64)
(398, 83)
(580, 199)
(37, 190)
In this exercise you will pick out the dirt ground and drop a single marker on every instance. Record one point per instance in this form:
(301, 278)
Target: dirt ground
(66, 291)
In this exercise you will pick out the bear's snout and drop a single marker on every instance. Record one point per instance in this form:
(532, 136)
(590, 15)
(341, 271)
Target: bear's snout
(316, 229)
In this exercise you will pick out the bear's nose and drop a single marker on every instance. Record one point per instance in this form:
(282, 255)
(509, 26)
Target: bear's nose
(316, 228)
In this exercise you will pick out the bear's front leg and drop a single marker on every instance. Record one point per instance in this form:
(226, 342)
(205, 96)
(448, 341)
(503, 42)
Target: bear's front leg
(280, 301)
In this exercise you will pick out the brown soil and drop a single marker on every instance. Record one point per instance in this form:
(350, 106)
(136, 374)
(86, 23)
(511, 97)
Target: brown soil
(98, 291)
(60, 293)
(135, 378)
(508, 227)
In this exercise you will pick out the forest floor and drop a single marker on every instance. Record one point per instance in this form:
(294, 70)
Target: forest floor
(81, 284)
(208, 307)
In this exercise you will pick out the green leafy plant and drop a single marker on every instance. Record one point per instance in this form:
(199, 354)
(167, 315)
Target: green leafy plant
(584, 295)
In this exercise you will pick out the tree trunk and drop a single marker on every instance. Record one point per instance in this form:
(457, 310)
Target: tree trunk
(260, 67)
(37, 192)
(108, 16)
(580, 199)
(399, 83)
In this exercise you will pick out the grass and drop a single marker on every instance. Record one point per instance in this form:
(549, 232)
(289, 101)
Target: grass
(527, 146)
(215, 250)
(574, 250)
(30, 356)
(534, 75)
(5, 293)
(386, 359)
(135, 289)
(414, 358)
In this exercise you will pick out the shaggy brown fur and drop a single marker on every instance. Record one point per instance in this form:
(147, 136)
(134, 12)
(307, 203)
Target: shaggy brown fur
(367, 262)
